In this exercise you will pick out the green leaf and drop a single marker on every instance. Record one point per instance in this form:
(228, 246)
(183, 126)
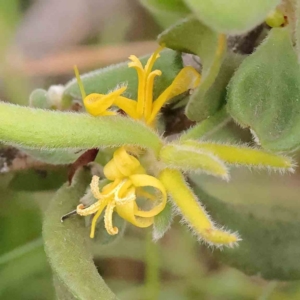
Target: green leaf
(191, 159)
(67, 245)
(53, 157)
(38, 180)
(207, 127)
(62, 292)
(270, 245)
(39, 99)
(264, 93)
(166, 12)
(106, 79)
(162, 222)
(244, 156)
(192, 36)
(234, 16)
(101, 235)
(211, 101)
(37, 128)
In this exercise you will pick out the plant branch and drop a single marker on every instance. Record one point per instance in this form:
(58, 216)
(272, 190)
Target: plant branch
(41, 129)
(12, 160)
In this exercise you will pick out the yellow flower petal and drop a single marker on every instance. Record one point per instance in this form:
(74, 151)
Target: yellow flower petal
(137, 65)
(149, 93)
(109, 113)
(128, 106)
(110, 188)
(126, 192)
(126, 211)
(122, 165)
(126, 163)
(97, 104)
(152, 59)
(142, 193)
(142, 180)
(188, 78)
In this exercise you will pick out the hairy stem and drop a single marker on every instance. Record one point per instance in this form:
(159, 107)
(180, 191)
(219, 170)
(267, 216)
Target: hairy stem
(37, 128)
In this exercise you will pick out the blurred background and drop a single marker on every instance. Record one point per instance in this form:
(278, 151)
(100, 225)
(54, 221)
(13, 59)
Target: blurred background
(40, 41)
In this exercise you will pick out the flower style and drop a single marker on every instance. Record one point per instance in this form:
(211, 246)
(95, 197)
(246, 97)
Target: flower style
(128, 177)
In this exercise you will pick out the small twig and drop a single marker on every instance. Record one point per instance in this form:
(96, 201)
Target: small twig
(12, 160)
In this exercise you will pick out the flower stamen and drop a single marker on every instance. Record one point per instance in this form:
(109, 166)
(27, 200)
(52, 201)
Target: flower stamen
(108, 219)
(126, 175)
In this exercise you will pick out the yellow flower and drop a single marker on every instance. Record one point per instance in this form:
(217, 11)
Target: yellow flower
(128, 178)
(145, 108)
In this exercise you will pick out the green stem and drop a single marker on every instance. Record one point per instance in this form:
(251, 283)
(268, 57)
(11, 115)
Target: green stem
(208, 126)
(152, 268)
(37, 128)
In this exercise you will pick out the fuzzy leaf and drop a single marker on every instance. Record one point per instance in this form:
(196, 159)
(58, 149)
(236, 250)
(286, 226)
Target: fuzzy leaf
(234, 16)
(208, 126)
(192, 210)
(191, 159)
(210, 102)
(101, 235)
(241, 155)
(192, 36)
(36, 128)
(39, 99)
(38, 180)
(264, 93)
(53, 157)
(67, 245)
(106, 79)
(162, 222)
(270, 237)
(62, 292)
(166, 12)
